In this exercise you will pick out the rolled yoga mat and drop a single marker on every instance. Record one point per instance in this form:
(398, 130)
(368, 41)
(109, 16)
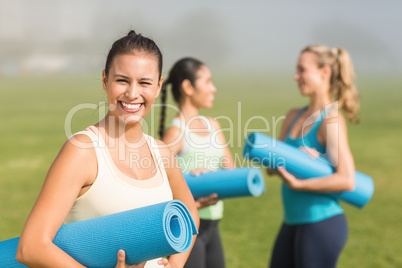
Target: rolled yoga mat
(236, 182)
(273, 153)
(144, 233)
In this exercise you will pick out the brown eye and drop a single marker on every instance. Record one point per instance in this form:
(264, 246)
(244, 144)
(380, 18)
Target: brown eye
(146, 83)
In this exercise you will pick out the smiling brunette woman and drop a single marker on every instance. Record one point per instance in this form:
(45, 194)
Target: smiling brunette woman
(108, 182)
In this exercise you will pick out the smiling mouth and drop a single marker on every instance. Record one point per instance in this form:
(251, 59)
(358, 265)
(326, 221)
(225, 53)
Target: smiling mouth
(131, 107)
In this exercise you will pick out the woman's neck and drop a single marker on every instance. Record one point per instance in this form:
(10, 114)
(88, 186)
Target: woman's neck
(116, 129)
(318, 102)
(188, 110)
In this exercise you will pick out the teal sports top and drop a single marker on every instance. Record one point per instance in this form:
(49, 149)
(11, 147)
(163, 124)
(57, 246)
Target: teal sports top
(307, 207)
(201, 152)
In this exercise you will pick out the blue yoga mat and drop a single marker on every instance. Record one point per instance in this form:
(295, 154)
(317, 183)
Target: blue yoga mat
(273, 153)
(144, 233)
(227, 183)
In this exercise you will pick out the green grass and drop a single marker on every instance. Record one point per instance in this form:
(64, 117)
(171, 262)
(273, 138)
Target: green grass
(32, 131)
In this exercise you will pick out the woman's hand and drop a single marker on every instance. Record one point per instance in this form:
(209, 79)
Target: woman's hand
(207, 201)
(165, 262)
(204, 201)
(291, 181)
(121, 261)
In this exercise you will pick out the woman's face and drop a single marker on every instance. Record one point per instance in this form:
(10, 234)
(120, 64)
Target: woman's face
(308, 76)
(204, 93)
(132, 86)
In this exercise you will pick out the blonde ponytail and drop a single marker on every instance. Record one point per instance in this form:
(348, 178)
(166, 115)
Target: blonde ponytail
(342, 81)
(343, 86)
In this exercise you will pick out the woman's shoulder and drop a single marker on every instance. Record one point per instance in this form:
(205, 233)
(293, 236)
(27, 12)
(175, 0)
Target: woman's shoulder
(177, 122)
(162, 147)
(334, 116)
(215, 124)
(176, 126)
(80, 145)
(165, 152)
(289, 117)
(176, 130)
(78, 149)
(85, 139)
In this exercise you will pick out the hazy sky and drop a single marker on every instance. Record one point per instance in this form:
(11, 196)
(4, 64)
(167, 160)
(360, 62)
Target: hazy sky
(229, 35)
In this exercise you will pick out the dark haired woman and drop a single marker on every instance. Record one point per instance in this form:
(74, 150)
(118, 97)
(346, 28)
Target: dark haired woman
(200, 147)
(92, 175)
(314, 229)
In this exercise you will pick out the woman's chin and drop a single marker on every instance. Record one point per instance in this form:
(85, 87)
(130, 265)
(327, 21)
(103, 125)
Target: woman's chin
(305, 92)
(207, 106)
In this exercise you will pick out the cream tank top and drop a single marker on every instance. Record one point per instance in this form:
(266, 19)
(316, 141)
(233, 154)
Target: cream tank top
(113, 191)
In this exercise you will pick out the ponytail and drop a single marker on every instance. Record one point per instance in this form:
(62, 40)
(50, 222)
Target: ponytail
(342, 88)
(184, 69)
(163, 109)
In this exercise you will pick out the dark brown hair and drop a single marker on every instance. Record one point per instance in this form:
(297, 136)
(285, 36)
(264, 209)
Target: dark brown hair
(184, 69)
(134, 43)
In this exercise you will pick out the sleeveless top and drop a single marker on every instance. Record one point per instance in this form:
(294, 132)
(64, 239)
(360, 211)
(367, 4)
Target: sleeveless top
(201, 152)
(113, 191)
(307, 207)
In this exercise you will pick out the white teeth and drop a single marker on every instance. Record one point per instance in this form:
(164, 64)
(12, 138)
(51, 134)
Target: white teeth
(130, 106)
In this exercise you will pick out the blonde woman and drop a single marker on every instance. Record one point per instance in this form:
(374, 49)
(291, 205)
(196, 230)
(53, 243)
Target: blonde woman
(314, 229)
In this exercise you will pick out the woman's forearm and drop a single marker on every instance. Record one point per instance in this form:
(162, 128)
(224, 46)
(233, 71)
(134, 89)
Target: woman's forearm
(332, 183)
(44, 255)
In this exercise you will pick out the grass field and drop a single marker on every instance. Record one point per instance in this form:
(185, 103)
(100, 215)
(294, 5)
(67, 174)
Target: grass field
(33, 113)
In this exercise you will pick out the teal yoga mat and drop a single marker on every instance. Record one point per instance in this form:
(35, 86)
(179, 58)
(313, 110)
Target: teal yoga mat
(144, 233)
(273, 153)
(236, 182)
